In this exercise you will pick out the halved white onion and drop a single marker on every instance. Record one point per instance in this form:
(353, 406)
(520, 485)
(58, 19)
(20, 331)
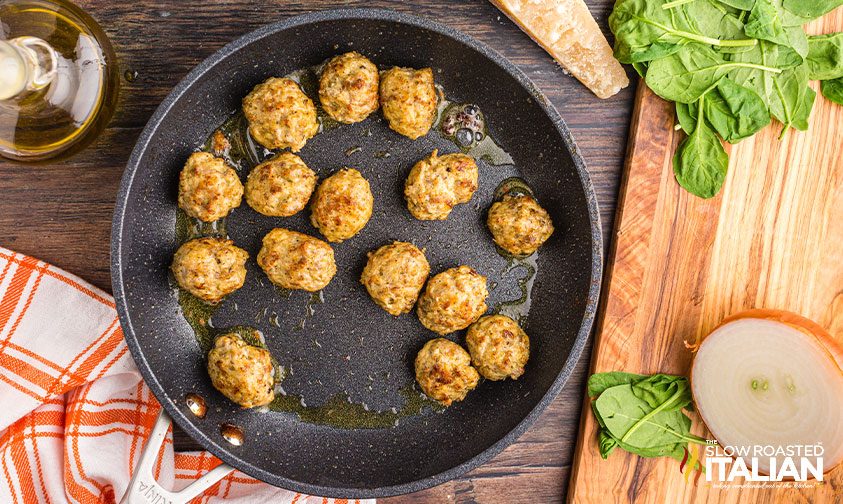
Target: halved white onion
(771, 378)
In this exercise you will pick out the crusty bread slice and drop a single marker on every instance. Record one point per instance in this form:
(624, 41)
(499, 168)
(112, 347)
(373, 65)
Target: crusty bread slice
(566, 30)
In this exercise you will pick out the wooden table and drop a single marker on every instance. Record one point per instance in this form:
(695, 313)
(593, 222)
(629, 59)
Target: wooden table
(61, 212)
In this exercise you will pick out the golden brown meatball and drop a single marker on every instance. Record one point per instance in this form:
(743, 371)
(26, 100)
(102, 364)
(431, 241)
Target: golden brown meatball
(342, 205)
(436, 184)
(408, 98)
(280, 115)
(453, 300)
(210, 268)
(395, 275)
(281, 186)
(348, 87)
(499, 348)
(242, 372)
(444, 372)
(518, 224)
(208, 188)
(294, 260)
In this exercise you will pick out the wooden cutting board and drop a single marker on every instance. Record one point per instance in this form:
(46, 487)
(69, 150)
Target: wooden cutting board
(773, 238)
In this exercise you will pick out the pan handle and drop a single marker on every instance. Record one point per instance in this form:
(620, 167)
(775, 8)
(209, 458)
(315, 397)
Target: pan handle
(143, 488)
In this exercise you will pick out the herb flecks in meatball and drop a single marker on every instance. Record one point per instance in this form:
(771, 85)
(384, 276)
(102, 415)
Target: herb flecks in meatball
(210, 268)
(444, 372)
(281, 186)
(394, 276)
(436, 184)
(518, 224)
(208, 188)
(453, 300)
(498, 346)
(242, 372)
(280, 115)
(408, 99)
(342, 205)
(348, 87)
(294, 260)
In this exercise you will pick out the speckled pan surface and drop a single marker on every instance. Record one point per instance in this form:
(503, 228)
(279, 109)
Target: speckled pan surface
(349, 346)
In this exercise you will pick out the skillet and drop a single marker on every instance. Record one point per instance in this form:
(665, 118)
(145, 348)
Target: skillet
(344, 346)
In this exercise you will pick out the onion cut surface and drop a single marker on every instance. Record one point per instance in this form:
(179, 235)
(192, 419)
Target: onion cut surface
(771, 378)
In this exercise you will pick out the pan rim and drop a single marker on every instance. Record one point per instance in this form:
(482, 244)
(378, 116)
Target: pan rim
(149, 375)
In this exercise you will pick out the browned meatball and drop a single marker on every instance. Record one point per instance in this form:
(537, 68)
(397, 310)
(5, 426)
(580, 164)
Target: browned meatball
(436, 184)
(348, 87)
(444, 372)
(498, 346)
(394, 276)
(242, 372)
(342, 205)
(293, 260)
(210, 268)
(453, 300)
(280, 115)
(281, 186)
(408, 98)
(518, 224)
(208, 188)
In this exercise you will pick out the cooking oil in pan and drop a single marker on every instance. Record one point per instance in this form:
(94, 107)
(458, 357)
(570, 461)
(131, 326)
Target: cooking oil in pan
(465, 125)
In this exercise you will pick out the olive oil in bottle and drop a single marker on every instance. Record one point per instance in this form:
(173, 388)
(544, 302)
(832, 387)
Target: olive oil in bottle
(58, 79)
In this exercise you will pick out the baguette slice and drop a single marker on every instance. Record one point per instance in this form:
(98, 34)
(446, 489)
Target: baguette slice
(566, 30)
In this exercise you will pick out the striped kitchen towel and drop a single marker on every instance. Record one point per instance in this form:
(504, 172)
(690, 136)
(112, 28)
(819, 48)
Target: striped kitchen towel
(74, 411)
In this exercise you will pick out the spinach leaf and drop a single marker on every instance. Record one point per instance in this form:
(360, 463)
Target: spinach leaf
(783, 91)
(687, 74)
(803, 110)
(645, 31)
(786, 93)
(599, 382)
(735, 112)
(635, 423)
(606, 442)
(825, 56)
(700, 162)
(642, 414)
(739, 4)
(663, 392)
(788, 17)
(707, 17)
(797, 40)
(811, 9)
(640, 68)
(765, 23)
(687, 116)
(833, 90)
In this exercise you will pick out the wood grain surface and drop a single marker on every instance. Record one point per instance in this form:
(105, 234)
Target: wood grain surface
(772, 239)
(62, 212)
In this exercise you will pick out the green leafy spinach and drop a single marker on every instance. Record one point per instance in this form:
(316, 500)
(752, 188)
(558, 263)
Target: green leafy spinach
(729, 66)
(700, 162)
(811, 9)
(825, 56)
(642, 414)
(833, 90)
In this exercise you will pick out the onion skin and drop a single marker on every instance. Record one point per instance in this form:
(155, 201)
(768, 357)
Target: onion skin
(803, 324)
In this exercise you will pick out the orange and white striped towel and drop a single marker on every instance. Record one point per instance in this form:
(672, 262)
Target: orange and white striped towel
(74, 411)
